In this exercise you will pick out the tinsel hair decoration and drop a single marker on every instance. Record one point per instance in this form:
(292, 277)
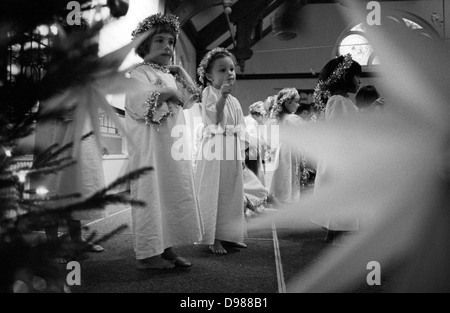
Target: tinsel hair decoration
(322, 90)
(257, 108)
(154, 20)
(291, 95)
(204, 64)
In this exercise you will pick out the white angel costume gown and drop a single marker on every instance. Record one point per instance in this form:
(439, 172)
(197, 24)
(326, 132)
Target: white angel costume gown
(285, 184)
(86, 176)
(254, 188)
(219, 178)
(337, 107)
(255, 145)
(170, 217)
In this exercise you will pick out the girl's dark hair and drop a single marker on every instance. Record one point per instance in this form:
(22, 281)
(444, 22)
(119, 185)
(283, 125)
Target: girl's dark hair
(345, 81)
(366, 95)
(143, 49)
(215, 57)
(303, 107)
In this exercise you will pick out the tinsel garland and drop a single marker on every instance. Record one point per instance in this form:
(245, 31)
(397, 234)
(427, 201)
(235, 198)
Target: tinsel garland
(201, 71)
(153, 98)
(258, 206)
(261, 203)
(152, 105)
(157, 19)
(322, 91)
(304, 176)
(194, 90)
(278, 107)
(259, 109)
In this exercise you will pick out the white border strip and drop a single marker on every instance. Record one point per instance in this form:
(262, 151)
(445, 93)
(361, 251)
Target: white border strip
(278, 264)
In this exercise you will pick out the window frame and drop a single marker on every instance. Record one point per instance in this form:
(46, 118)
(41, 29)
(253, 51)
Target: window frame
(401, 17)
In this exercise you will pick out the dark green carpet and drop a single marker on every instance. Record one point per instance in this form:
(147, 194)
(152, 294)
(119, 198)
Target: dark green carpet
(250, 270)
(301, 250)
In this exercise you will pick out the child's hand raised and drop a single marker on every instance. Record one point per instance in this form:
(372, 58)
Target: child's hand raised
(225, 90)
(175, 69)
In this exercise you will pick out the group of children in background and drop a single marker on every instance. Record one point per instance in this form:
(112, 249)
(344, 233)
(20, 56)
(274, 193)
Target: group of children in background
(206, 206)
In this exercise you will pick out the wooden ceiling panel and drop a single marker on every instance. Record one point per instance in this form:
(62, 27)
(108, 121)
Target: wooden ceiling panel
(247, 15)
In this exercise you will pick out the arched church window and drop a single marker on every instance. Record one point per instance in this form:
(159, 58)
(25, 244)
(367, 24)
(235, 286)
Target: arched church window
(355, 41)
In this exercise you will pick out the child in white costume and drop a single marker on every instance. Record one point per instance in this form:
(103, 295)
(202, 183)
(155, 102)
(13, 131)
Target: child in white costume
(337, 80)
(85, 177)
(171, 216)
(219, 178)
(257, 146)
(256, 194)
(286, 180)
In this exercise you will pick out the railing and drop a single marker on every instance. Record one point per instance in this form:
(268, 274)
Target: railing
(107, 125)
(21, 162)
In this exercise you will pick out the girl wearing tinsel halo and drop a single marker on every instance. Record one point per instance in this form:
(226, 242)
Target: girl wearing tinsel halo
(257, 144)
(339, 78)
(256, 194)
(285, 184)
(220, 162)
(153, 109)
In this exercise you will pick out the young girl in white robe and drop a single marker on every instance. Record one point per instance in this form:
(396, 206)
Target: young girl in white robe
(256, 194)
(338, 79)
(219, 178)
(286, 180)
(154, 109)
(85, 177)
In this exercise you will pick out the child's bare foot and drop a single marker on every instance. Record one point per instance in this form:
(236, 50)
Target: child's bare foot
(154, 263)
(171, 255)
(241, 244)
(217, 248)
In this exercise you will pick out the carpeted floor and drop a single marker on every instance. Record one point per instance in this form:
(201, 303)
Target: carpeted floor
(250, 270)
(242, 271)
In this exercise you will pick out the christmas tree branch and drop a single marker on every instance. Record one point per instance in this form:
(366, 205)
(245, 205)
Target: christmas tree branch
(122, 180)
(49, 154)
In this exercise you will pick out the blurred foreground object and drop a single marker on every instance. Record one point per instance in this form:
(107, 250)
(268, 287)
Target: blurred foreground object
(395, 179)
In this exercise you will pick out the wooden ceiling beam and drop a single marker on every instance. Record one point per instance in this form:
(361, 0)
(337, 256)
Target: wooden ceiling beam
(191, 32)
(270, 9)
(188, 9)
(213, 30)
(276, 4)
(245, 29)
(265, 32)
(228, 42)
(219, 25)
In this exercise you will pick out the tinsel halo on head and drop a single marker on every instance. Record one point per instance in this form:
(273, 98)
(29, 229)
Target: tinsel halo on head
(322, 90)
(257, 108)
(154, 20)
(201, 71)
(291, 94)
